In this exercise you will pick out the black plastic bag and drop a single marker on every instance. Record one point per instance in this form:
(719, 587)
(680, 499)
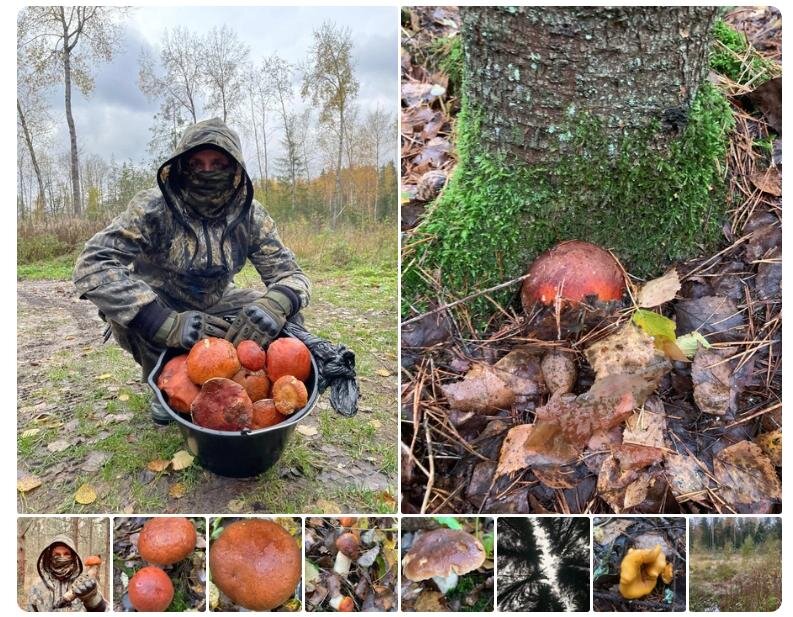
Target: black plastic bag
(336, 366)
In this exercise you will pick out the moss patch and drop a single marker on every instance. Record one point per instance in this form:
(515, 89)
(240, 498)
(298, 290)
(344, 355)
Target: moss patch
(733, 57)
(651, 206)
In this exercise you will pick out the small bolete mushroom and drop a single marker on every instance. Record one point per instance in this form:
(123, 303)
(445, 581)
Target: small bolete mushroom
(348, 548)
(165, 540)
(574, 271)
(640, 570)
(256, 563)
(443, 555)
(150, 590)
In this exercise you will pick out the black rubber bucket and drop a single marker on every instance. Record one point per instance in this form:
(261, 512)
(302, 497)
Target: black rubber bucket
(235, 454)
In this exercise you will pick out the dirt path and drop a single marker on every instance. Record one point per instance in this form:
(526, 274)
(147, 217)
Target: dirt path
(83, 419)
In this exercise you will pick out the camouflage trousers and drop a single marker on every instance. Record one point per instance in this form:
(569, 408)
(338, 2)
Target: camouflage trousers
(146, 353)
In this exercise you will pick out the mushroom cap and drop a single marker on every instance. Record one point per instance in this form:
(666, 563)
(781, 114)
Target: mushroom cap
(150, 590)
(92, 560)
(576, 270)
(348, 544)
(165, 540)
(442, 552)
(256, 563)
(251, 355)
(288, 356)
(640, 569)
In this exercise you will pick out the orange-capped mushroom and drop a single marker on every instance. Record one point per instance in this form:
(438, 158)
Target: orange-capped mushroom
(289, 394)
(640, 570)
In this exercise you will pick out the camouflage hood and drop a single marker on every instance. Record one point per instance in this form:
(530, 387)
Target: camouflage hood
(43, 563)
(213, 133)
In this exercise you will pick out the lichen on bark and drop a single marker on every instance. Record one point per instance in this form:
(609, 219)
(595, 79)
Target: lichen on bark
(651, 192)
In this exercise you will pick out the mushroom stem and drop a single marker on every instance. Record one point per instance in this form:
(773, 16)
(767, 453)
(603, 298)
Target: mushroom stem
(343, 604)
(446, 583)
(342, 564)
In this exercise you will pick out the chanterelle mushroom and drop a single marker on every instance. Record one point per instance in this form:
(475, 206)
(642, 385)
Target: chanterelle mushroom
(443, 555)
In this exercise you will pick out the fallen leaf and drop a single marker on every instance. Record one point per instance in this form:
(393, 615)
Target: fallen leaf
(685, 476)
(660, 290)
(123, 397)
(104, 376)
(429, 601)
(555, 477)
(158, 465)
(712, 375)
(715, 317)
(482, 390)
(177, 490)
(613, 528)
(367, 559)
(28, 483)
(768, 181)
(771, 444)
(661, 328)
(85, 494)
(558, 371)
(306, 430)
(58, 446)
(375, 424)
(626, 351)
(647, 427)
(236, 506)
(31, 432)
(327, 507)
(383, 372)
(181, 460)
(749, 482)
(95, 461)
(689, 343)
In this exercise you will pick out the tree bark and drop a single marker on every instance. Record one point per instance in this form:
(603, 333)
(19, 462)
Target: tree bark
(40, 203)
(337, 185)
(77, 204)
(530, 70)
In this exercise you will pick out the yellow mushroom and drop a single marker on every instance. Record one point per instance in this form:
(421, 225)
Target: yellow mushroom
(640, 570)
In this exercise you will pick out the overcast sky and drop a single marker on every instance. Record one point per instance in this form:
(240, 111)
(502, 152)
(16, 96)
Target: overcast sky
(115, 119)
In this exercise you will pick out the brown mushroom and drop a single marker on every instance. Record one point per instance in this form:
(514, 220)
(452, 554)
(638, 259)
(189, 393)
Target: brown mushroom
(256, 383)
(348, 548)
(222, 405)
(150, 590)
(443, 555)
(575, 271)
(251, 355)
(212, 357)
(166, 540)
(256, 563)
(265, 414)
(289, 394)
(176, 384)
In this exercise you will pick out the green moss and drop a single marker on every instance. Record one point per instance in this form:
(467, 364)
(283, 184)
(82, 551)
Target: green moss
(448, 54)
(733, 57)
(651, 207)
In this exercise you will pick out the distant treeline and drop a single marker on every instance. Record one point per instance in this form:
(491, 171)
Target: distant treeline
(711, 533)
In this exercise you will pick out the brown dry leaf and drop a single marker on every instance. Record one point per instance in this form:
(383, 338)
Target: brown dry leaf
(712, 375)
(28, 483)
(768, 181)
(520, 371)
(685, 476)
(558, 371)
(555, 477)
(771, 444)
(628, 350)
(177, 490)
(637, 457)
(647, 426)
(660, 290)
(182, 460)
(609, 531)
(157, 465)
(621, 489)
(429, 601)
(482, 390)
(85, 494)
(748, 479)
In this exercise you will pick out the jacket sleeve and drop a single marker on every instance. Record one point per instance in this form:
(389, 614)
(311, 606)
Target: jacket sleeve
(102, 273)
(274, 262)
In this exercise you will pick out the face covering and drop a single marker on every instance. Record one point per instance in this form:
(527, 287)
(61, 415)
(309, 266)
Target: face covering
(208, 192)
(62, 567)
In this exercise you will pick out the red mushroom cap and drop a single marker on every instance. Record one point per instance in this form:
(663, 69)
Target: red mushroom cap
(92, 560)
(575, 270)
(166, 540)
(288, 356)
(251, 355)
(348, 544)
(150, 590)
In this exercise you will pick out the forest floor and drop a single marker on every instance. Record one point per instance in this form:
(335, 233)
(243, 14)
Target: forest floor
(83, 414)
(466, 450)
(731, 582)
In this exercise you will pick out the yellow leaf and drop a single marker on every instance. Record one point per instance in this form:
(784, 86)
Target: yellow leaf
(158, 465)
(177, 490)
(31, 432)
(123, 397)
(308, 431)
(85, 494)
(327, 507)
(383, 372)
(104, 376)
(236, 505)
(28, 483)
(375, 424)
(181, 460)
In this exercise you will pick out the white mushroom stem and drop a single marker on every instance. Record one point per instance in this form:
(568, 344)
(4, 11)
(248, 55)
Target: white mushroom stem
(446, 583)
(335, 602)
(342, 564)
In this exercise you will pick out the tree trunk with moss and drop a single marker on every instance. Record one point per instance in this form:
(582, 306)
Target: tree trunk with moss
(530, 70)
(587, 123)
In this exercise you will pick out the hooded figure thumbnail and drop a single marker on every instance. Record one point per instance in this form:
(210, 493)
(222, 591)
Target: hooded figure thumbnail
(61, 570)
(161, 273)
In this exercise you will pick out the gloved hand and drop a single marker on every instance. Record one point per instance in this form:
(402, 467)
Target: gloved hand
(86, 589)
(263, 320)
(186, 329)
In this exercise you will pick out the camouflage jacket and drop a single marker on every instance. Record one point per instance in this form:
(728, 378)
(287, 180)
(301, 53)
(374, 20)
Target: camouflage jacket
(160, 248)
(48, 589)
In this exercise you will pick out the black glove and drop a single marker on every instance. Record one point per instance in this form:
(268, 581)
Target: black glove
(263, 320)
(86, 589)
(186, 329)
